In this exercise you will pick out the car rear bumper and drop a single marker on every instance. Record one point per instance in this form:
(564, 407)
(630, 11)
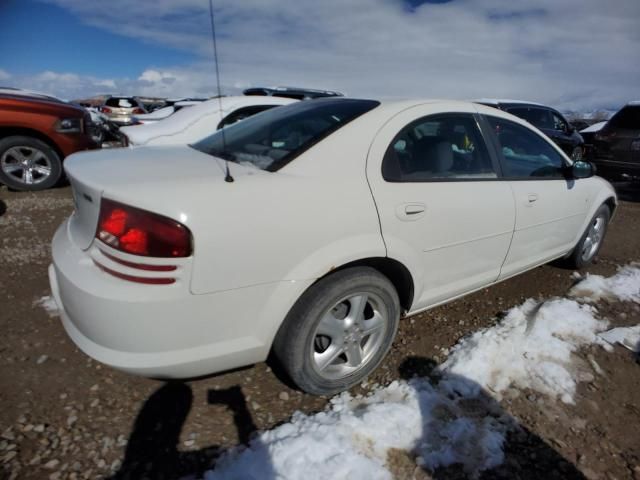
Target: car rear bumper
(160, 331)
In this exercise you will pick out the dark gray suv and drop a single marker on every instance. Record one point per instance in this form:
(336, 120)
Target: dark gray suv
(616, 147)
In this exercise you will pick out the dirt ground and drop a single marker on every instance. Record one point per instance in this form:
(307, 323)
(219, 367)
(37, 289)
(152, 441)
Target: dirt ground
(66, 416)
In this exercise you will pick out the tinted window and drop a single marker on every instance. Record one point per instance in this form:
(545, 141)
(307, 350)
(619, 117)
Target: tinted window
(526, 153)
(121, 102)
(438, 147)
(539, 117)
(628, 118)
(559, 123)
(272, 139)
(242, 113)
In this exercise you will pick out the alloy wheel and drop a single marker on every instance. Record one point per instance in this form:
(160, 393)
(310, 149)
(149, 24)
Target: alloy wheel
(349, 335)
(27, 165)
(594, 238)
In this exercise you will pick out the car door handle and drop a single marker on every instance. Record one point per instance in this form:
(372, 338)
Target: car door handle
(414, 209)
(410, 211)
(532, 197)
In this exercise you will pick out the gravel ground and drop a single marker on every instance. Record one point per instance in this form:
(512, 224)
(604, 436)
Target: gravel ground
(66, 416)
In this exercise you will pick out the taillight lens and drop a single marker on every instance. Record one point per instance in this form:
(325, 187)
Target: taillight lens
(137, 111)
(140, 232)
(105, 109)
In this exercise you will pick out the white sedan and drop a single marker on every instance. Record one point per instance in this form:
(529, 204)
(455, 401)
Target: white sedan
(192, 124)
(310, 230)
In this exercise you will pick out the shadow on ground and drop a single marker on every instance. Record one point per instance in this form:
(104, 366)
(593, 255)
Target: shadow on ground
(526, 455)
(153, 448)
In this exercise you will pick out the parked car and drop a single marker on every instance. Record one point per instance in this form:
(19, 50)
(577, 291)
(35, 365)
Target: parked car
(36, 133)
(343, 215)
(121, 109)
(548, 120)
(588, 135)
(194, 123)
(162, 113)
(291, 92)
(616, 146)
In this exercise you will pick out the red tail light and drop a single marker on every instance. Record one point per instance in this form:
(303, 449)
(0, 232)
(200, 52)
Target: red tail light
(105, 109)
(137, 111)
(139, 232)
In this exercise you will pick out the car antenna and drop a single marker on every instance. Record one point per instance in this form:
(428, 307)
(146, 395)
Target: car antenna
(228, 178)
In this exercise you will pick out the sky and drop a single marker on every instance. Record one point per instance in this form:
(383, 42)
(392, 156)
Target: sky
(572, 54)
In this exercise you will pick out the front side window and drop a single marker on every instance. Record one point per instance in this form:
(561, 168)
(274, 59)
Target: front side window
(526, 154)
(438, 147)
(272, 139)
(559, 123)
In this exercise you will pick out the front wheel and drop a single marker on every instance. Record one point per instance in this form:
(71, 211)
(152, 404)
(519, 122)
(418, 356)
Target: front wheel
(27, 163)
(591, 241)
(339, 330)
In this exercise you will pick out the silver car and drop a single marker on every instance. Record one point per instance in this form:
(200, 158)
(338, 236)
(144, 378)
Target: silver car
(121, 109)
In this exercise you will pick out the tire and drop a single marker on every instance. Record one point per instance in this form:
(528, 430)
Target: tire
(28, 164)
(323, 346)
(591, 240)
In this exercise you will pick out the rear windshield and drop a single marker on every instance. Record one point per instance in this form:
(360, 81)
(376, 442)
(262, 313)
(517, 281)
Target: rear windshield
(271, 139)
(628, 118)
(121, 102)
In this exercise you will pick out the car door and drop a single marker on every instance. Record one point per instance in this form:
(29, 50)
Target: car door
(444, 212)
(550, 208)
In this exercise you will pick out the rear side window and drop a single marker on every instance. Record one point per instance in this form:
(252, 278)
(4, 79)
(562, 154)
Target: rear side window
(436, 148)
(274, 138)
(628, 118)
(526, 154)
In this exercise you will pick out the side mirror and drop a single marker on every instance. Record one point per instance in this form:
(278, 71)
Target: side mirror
(582, 169)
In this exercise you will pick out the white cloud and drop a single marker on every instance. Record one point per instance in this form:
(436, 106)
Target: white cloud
(573, 54)
(4, 75)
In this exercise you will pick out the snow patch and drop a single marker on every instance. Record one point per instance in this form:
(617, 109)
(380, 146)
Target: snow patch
(530, 348)
(352, 438)
(628, 337)
(49, 304)
(624, 285)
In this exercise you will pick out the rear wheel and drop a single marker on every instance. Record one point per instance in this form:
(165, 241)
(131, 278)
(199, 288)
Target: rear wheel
(27, 163)
(591, 241)
(339, 330)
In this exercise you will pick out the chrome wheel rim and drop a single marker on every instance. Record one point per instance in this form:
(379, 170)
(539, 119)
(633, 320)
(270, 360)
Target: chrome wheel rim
(594, 238)
(26, 165)
(349, 335)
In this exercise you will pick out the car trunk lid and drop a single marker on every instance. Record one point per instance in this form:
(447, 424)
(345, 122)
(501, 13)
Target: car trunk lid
(151, 178)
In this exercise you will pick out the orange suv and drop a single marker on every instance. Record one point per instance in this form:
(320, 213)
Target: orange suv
(36, 134)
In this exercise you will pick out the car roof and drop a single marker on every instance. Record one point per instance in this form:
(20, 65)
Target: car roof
(307, 93)
(501, 101)
(29, 93)
(187, 116)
